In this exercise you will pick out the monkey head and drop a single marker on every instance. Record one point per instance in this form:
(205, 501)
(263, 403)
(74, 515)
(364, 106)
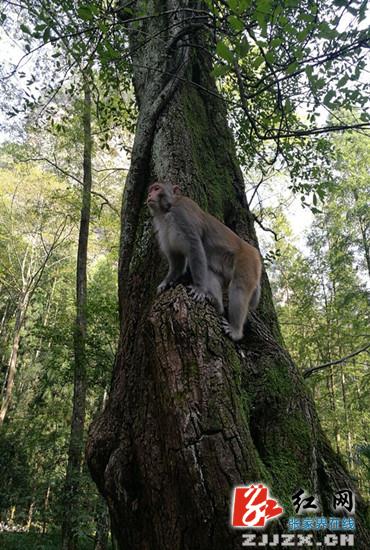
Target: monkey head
(161, 197)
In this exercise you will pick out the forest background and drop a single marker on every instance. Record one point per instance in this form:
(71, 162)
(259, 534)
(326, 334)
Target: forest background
(319, 270)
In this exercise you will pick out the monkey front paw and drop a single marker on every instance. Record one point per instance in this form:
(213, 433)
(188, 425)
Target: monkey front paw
(197, 294)
(231, 332)
(163, 286)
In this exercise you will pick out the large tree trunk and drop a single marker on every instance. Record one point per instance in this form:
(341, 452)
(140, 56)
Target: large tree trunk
(190, 413)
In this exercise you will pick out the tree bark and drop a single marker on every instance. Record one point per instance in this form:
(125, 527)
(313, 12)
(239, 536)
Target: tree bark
(191, 414)
(45, 510)
(76, 443)
(30, 515)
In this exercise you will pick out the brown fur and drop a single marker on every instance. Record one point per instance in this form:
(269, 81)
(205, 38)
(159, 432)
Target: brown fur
(215, 255)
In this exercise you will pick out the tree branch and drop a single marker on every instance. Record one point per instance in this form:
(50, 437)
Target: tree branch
(314, 131)
(310, 371)
(73, 177)
(258, 221)
(56, 166)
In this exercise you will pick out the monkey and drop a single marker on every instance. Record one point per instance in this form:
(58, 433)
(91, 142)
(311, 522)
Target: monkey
(215, 255)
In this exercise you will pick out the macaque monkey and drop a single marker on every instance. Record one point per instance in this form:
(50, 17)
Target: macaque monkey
(215, 255)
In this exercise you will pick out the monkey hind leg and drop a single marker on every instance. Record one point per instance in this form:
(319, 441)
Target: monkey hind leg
(214, 290)
(255, 298)
(240, 299)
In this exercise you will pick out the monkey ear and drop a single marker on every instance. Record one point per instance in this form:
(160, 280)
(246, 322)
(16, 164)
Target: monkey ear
(176, 189)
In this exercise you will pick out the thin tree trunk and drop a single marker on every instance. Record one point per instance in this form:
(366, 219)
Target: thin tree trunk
(346, 420)
(72, 484)
(4, 317)
(3, 342)
(190, 414)
(365, 244)
(13, 360)
(45, 510)
(12, 514)
(45, 320)
(364, 230)
(30, 515)
(334, 419)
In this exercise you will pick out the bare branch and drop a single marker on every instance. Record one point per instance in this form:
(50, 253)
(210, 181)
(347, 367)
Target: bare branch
(314, 131)
(105, 201)
(113, 169)
(310, 371)
(258, 221)
(56, 166)
(73, 177)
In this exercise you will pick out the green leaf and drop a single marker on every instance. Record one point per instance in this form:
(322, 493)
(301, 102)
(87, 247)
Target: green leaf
(264, 6)
(113, 54)
(224, 52)
(352, 11)
(25, 29)
(261, 19)
(325, 31)
(46, 35)
(244, 4)
(302, 35)
(236, 23)
(342, 81)
(242, 48)
(276, 42)
(234, 6)
(309, 71)
(219, 70)
(328, 98)
(270, 57)
(41, 27)
(258, 61)
(85, 13)
(315, 210)
(292, 67)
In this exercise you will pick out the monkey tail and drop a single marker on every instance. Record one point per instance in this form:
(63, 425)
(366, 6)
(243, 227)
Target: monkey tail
(255, 298)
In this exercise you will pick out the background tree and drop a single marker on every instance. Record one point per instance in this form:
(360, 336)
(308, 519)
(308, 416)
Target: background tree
(30, 247)
(322, 300)
(76, 442)
(38, 422)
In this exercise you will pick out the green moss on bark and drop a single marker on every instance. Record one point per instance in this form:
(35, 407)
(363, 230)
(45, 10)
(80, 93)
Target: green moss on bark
(215, 182)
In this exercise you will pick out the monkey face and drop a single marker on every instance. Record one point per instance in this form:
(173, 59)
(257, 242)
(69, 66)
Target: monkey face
(154, 193)
(160, 197)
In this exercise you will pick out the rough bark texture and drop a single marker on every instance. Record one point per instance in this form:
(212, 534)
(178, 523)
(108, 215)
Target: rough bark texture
(191, 414)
